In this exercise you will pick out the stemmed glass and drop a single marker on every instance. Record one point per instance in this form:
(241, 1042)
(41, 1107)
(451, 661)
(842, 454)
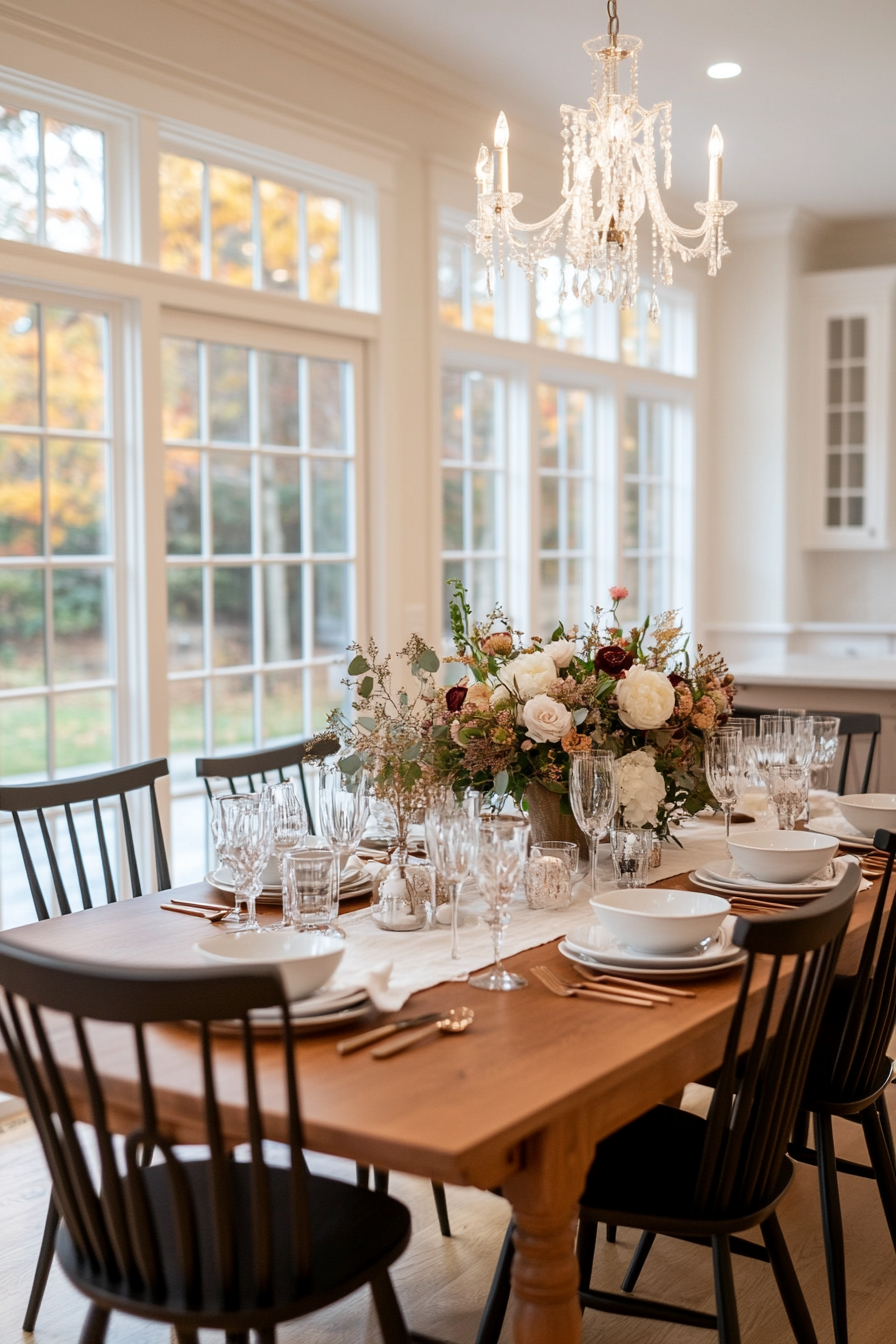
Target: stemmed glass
(248, 839)
(343, 805)
(592, 793)
(217, 830)
(503, 844)
(290, 825)
(826, 730)
(452, 840)
(725, 761)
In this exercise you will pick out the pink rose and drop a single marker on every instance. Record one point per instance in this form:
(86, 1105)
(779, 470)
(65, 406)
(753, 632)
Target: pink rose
(619, 594)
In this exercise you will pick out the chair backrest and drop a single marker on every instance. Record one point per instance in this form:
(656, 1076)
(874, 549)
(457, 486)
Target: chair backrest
(121, 1223)
(112, 785)
(767, 1053)
(851, 725)
(870, 1018)
(255, 766)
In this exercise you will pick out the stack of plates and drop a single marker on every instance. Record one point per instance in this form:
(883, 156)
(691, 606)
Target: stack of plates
(593, 946)
(844, 831)
(718, 877)
(330, 1006)
(357, 883)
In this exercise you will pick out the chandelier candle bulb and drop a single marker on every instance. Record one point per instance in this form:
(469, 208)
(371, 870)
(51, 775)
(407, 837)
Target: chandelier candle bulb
(716, 149)
(502, 138)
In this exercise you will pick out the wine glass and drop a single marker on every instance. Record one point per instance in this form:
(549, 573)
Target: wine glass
(826, 730)
(217, 830)
(452, 836)
(343, 805)
(593, 795)
(248, 835)
(726, 770)
(290, 826)
(503, 843)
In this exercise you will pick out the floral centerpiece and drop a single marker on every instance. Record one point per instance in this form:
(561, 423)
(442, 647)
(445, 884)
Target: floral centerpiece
(524, 706)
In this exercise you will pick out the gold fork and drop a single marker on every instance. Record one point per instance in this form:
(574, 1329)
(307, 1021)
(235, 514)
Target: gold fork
(656, 995)
(556, 986)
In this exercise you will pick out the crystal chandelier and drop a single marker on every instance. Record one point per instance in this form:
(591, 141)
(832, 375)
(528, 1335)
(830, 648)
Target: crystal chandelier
(617, 136)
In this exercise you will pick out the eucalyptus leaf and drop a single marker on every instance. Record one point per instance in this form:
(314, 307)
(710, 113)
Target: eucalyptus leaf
(412, 752)
(429, 660)
(440, 732)
(579, 715)
(350, 765)
(366, 687)
(501, 782)
(367, 722)
(358, 665)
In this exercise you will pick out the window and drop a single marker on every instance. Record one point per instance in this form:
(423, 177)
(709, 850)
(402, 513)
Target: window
(669, 344)
(464, 300)
(846, 384)
(562, 320)
(259, 493)
(473, 485)
(52, 182)
(566, 490)
(57, 646)
(225, 224)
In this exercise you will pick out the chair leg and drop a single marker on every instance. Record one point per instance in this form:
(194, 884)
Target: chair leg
(882, 1162)
(42, 1270)
(362, 1175)
(388, 1310)
(638, 1261)
(438, 1194)
(787, 1281)
(237, 1337)
(800, 1135)
(266, 1336)
(726, 1302)
(381, 1181)
(586, 1240)
(884, 1114)
(186, 1336)
(611, 1233)
(96, 1323)
(831, 1223)
(495, 1309)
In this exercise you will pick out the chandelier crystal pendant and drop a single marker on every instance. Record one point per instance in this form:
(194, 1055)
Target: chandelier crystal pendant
(617, 137)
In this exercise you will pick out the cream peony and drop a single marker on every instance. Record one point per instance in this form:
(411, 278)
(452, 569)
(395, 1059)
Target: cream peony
(646, 699)
(530, 674)
(478, 696)
(546, 720)
(562, 651)
(641, 788)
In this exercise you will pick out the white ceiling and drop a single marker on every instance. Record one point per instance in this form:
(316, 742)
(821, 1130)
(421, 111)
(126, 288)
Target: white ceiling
(811, 122)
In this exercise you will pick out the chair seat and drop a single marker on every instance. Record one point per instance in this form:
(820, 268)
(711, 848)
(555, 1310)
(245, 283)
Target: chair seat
(645, 1175)
(356, 1233)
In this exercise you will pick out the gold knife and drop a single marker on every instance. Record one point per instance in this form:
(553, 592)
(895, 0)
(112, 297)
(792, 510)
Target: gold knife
(352, 1043)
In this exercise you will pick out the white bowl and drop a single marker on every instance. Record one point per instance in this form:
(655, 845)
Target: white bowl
(304, 961)
(660, 920)
(783, 856)
(869, 811)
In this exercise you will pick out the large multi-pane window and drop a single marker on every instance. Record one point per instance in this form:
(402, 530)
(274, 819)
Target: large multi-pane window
(656, 505)
(473, 483)
(221, 223)
(52, 182)
(565, 503)
(260, 526)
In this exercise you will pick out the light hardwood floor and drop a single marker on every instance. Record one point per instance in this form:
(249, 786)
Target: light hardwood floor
(442, 1284)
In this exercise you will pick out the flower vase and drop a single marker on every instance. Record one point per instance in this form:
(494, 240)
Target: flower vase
(547, 822)
(402, 894)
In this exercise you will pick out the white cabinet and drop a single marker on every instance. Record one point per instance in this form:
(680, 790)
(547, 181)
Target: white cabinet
(847, 349)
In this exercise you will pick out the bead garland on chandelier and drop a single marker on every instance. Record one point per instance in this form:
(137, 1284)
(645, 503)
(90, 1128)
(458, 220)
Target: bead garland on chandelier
(616, 136)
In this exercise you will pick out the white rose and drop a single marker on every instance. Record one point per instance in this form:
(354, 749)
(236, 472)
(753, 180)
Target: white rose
(562, 651)
(530, 674)
(500, 696)
(645, 698)
(640, 786)
(546, 720)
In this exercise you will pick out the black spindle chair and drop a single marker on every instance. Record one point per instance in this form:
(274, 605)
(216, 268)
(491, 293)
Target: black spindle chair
(671, 1172)
(68, 794)
(851, 725)
(199, 1242)
(255, 766)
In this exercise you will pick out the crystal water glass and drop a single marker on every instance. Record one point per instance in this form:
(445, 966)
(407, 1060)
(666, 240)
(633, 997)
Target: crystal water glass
(593, 796)
(311, 891)
(789, 790)
(217, 833)
(631, 847)
(726, 765)
(248, 841)
(503, 844)
(452, 828)
(290, 822)
(826, 731)
(343, 806)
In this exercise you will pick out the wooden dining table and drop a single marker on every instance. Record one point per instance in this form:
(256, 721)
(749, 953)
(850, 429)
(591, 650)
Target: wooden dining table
(519, 1101)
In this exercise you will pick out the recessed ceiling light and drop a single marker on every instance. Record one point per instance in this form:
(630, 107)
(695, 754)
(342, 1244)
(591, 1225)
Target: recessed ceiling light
(724, 70)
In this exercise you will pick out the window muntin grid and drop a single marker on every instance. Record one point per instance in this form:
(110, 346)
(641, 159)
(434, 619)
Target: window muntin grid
(473, 485)
(846, 422)
(221, 223)
(57, 554)
(566, 427)
(646, 533)
(52, 182)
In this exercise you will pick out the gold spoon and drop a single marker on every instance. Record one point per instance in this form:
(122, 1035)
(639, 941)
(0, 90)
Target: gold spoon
(456, 1022)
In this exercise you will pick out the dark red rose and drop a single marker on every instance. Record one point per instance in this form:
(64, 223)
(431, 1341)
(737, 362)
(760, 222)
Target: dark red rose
(675, 679)
(455, 697)
(613, 660)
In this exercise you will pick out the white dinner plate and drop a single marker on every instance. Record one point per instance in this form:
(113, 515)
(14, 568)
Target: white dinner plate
(841, 829)
(692, 972)
(274, 895)
(785, 898)
(719, 872)
(593, 940)
(266, 1021)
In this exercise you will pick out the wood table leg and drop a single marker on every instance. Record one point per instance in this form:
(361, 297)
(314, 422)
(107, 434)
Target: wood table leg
(545, 1196)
